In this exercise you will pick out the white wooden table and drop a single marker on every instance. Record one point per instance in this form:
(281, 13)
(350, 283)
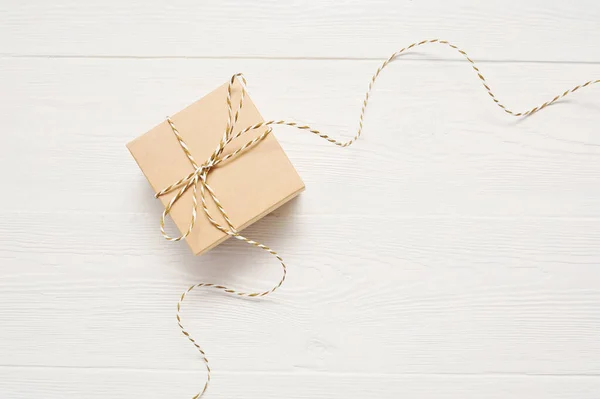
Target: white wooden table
(475, 274)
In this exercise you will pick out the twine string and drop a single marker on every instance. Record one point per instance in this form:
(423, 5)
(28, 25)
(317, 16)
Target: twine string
(198, 179)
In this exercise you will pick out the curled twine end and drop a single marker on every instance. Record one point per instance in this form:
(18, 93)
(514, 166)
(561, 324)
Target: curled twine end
(197, 180)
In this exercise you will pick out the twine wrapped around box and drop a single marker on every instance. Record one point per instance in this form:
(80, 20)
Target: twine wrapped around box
(198, 179)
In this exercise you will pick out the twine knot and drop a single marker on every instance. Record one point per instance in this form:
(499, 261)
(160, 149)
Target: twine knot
(198, 179)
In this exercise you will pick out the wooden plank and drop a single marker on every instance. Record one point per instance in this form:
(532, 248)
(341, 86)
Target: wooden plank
(364, 294)
(510, 30)
(117, 384)
(434, 144)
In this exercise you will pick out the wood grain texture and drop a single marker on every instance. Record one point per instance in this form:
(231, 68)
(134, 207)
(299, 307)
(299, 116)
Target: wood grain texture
(431, 132)
(431, 299)
(92, 383)
(452, 252)
(507, 30)
(70, 383)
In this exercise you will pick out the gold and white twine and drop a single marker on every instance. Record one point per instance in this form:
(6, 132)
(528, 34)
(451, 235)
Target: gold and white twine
(198, 179)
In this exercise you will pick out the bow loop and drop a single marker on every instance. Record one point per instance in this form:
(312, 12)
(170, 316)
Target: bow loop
(198, 178)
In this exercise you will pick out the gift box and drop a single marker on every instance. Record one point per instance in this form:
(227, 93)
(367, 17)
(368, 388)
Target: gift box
(248, 186)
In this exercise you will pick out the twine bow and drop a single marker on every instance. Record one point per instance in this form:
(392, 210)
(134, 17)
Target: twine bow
(198, 178)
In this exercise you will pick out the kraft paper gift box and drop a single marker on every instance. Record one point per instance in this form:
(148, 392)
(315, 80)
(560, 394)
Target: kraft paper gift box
(248, 186)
